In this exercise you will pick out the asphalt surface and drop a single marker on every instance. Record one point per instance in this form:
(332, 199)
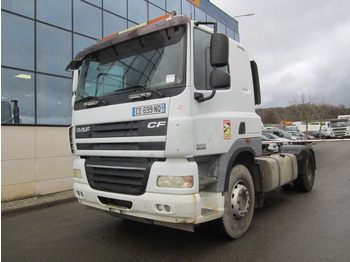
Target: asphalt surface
(292, 226)
(36, 202)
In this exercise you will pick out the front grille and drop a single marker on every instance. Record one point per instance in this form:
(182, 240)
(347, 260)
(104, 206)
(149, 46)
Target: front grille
(118, 175)
(341, 131)
(122, 146)
(121, 136)
(122, 129)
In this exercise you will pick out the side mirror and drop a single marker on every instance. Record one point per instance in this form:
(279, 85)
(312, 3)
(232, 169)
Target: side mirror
(219, 50)
(219, 79)
(74, 65)
(218, 58)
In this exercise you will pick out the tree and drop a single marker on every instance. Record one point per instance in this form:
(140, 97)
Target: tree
(304, 106)
(269, 116)
(321, 112)
(274, 115)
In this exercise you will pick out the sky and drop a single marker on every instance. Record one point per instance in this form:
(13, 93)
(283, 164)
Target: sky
(300, 46)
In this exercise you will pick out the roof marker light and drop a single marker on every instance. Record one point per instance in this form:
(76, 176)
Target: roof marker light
(110, 36)
(158, 19)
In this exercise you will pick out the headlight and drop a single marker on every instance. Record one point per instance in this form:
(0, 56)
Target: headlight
(175, 181)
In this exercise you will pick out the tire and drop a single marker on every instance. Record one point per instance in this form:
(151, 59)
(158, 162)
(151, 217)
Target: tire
(306, 177)
(239, 204)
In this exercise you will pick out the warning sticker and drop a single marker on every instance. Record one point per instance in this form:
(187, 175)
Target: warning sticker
(227, 129)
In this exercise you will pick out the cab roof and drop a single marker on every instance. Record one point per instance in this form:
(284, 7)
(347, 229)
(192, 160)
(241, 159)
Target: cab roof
(153, 25)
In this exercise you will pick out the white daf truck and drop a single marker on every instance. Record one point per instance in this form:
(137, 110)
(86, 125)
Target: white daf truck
(164, 129)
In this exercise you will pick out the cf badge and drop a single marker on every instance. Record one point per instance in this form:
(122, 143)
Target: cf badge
(156, 124)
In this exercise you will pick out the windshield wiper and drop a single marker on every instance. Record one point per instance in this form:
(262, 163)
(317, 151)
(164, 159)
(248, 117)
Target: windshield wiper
(144, 95)
(154, 91)
(92, 101)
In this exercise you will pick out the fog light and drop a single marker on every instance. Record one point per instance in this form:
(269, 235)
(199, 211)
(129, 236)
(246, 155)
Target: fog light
(79, 194)
(167, 208)
(175, 181)
(77, 173)
(159, 207)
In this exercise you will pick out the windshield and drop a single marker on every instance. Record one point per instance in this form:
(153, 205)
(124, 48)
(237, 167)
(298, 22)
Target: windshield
(151, 63)
(340, 122)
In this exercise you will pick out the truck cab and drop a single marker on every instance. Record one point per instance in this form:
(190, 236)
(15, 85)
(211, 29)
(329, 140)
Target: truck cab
(339, 128)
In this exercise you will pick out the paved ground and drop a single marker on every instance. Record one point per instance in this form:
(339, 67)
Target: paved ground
(292, 227)
(36, 202)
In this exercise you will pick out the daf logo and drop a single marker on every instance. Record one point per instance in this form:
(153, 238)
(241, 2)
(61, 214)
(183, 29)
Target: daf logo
(83, 129)
(156, 124)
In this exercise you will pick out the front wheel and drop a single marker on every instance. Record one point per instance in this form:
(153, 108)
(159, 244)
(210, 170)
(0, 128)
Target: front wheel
(239, 204)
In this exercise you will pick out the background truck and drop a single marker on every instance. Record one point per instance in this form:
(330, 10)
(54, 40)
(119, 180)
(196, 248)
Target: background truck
(164, 129)
(339, 128)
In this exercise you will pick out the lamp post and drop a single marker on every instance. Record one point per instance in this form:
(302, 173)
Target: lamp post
(243, 15)
(250, 14)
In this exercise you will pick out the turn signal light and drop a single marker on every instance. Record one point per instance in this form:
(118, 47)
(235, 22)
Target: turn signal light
(77, 173)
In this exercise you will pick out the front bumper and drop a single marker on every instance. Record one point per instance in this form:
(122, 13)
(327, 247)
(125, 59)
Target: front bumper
(168, 205)
(187, 209)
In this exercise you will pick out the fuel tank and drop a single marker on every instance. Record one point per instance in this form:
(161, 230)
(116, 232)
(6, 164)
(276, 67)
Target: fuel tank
(277, 170)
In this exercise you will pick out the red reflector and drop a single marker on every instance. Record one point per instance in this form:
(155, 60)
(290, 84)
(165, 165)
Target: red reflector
(248, 139)
(158, 18)
(110, 36)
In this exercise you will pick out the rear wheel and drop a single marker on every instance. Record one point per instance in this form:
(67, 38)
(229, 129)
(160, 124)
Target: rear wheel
(239, 204)
(305, 180)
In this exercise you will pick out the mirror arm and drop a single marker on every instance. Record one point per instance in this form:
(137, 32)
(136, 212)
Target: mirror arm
(197, 23)
(200, 97)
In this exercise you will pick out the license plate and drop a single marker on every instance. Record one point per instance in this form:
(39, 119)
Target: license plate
(148, 110)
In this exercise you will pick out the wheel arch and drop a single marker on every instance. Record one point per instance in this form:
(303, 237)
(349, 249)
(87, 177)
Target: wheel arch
(245, 156)
(243, 152)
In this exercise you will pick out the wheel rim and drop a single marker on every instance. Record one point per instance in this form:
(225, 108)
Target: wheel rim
(240, 200)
